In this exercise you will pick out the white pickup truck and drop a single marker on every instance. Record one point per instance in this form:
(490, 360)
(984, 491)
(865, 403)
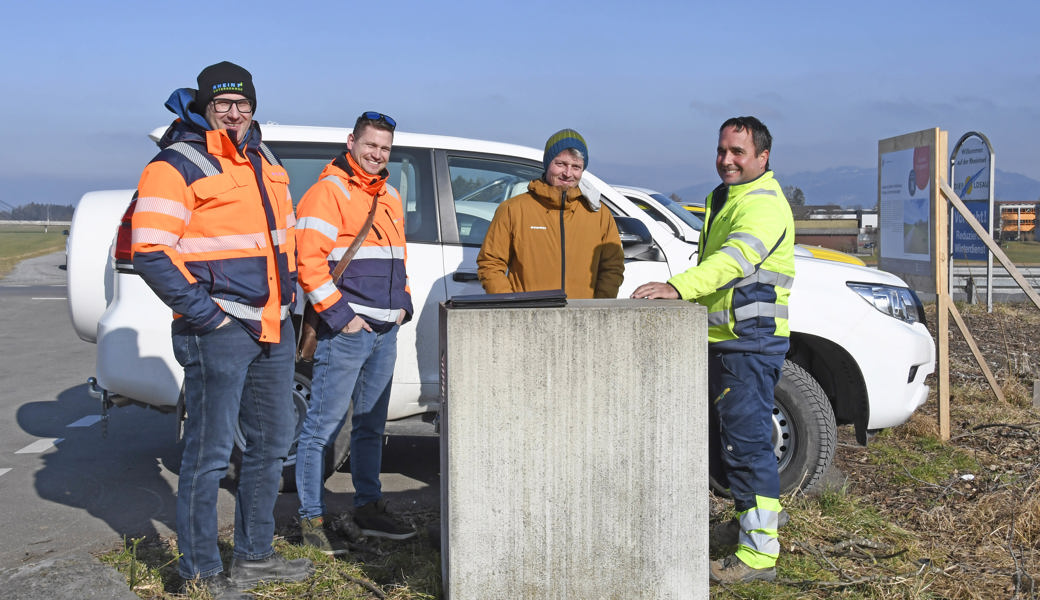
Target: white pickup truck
(859, 354)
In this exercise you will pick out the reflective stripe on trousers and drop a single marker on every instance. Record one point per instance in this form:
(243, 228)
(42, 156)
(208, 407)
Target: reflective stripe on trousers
(759, 545)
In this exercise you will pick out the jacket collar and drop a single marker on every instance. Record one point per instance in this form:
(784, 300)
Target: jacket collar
(190, 126)
(554, 197)
(740, 188)
(371, 184)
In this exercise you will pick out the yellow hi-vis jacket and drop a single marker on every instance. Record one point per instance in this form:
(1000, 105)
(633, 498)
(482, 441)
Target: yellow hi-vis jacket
(745, 268)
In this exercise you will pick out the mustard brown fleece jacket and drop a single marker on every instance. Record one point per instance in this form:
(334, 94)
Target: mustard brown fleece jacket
(530, 234)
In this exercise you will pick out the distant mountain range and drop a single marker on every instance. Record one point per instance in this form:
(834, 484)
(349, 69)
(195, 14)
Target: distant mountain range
(853, 187)
(849, 187)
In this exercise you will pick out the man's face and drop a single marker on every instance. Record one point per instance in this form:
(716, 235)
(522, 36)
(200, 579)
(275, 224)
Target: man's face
(371, 148)
(232, 120)
(736, 161)
(565, 170)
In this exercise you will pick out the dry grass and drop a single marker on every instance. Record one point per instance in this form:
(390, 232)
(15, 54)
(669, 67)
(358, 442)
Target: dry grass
(911, 517)
(375, 569)
(916, 518)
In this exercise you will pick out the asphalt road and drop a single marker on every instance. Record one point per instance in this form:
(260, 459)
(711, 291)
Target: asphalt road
(72, 484)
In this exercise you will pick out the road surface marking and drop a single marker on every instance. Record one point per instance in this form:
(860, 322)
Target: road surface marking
(86, 421)
(55, 298)
(4, 472)
(40, 446)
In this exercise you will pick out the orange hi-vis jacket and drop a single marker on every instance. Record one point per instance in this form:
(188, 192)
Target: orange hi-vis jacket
(331, 214)
(213, 231)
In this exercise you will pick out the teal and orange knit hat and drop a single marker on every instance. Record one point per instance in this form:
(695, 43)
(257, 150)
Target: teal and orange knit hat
(562, 140)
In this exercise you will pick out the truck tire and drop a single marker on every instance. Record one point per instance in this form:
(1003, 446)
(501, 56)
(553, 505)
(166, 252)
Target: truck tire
(335, 456)
(804, 431)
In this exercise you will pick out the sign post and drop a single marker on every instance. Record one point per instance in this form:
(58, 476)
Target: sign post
(913, 232)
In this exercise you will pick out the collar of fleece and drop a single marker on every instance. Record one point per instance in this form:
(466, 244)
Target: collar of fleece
(551, 196)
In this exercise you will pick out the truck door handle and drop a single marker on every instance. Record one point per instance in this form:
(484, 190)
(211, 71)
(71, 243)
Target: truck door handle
(464, 276)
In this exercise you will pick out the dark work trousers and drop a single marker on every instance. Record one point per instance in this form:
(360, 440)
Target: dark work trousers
(740, 424)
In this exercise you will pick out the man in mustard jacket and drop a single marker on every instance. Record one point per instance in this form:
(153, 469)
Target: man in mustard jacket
(743, 276)
(553, 237)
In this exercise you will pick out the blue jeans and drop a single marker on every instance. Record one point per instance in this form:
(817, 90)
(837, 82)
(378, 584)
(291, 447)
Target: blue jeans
(740, 424)
(356, 369)
(231, 378)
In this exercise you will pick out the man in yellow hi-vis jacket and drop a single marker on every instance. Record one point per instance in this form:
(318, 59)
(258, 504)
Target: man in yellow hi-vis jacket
(743, 276)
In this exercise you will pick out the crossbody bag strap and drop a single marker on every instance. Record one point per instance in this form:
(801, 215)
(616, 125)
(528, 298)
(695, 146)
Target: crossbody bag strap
(353, 248)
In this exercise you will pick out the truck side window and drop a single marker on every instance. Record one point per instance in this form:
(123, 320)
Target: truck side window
(478, 186)
(411, 172)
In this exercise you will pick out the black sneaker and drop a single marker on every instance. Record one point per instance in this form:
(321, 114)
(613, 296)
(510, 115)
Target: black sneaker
(316, 533)
(246, 574)
(374, 520)
(218, 586)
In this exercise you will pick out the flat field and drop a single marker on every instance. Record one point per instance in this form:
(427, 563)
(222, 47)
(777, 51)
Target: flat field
(19, 242)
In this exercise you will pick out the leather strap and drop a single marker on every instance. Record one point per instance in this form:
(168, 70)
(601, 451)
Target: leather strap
(353, 248)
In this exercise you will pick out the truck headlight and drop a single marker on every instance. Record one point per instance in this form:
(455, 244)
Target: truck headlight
(898, 302)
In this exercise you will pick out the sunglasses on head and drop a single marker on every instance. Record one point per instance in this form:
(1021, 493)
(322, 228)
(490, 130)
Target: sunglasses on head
(372, 115)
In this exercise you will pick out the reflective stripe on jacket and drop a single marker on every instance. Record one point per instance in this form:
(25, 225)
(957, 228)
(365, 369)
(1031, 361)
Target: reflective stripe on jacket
(331, 213)
(209, 239)
(745, 269)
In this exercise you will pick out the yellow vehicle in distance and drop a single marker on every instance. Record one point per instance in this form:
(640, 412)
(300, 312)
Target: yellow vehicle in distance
(835, 255)
(698, 209)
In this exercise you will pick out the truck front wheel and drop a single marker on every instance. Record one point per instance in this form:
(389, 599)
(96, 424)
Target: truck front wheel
(804, 431)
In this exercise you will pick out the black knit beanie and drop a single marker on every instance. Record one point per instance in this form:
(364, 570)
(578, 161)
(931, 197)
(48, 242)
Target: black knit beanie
(223, 78)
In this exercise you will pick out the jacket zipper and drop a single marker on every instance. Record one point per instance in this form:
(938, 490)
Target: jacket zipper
(563, 244)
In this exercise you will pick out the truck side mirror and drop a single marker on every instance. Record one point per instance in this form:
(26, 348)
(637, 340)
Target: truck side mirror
(635, 237)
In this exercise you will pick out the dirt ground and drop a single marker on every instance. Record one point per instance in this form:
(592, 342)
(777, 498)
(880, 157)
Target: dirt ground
(978, 531)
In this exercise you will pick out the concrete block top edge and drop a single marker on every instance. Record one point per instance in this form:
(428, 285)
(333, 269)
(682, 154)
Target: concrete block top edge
(598, 304)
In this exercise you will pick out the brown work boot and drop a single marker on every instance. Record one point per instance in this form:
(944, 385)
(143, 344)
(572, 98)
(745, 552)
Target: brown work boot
(315, 532)
(733, 570)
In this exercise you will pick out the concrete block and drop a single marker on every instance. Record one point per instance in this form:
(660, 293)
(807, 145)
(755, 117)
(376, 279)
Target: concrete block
(573, 451)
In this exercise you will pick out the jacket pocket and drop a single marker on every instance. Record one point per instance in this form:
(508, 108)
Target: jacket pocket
(213, 188)
(277, 182)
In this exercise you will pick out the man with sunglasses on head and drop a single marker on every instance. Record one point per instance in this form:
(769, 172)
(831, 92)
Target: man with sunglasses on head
(359, 315)
(213, 238)
(554, 237)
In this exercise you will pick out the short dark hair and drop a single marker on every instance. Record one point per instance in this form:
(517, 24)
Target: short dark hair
(366, 121)
(760, 135)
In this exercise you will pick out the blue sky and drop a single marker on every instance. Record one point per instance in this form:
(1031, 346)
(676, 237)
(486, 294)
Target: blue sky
(646, 83)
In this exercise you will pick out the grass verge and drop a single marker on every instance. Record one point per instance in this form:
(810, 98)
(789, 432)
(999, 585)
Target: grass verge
(19, 242)
(908, 517)
(389, 570)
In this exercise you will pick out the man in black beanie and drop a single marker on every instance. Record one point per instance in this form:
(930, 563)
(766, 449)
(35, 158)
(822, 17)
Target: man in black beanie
(213, 236)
